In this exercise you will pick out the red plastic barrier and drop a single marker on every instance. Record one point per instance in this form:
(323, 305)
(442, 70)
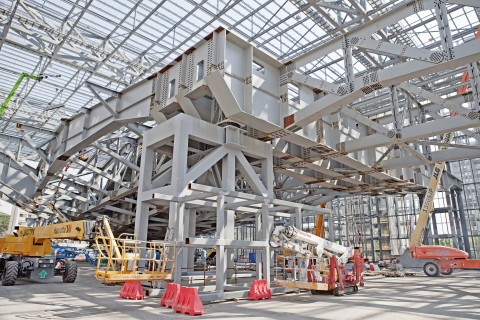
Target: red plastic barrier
(188, 302)
(170, 295)
(259, 290)
(132, 290)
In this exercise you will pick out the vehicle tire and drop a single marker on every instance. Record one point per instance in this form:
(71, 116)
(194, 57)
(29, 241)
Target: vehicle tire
(431, 269)
(315, 292)
(447, 273)
(70, 274)
(355, 289)
(336, 292)
(10, 273)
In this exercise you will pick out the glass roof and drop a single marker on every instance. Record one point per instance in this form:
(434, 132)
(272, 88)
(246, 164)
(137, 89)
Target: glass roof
(117, 43)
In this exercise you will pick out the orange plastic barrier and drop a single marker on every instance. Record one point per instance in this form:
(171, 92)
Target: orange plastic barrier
(132, 290)
(170, 295)
(188, 302)
(259, 290)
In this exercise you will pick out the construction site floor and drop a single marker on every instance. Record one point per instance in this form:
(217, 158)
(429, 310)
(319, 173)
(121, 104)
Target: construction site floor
(419, 297)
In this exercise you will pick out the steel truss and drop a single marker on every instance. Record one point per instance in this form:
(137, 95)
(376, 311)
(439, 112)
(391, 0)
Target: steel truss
(324, 101)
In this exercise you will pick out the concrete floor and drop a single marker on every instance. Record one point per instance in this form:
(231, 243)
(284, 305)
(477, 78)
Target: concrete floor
(454, 297)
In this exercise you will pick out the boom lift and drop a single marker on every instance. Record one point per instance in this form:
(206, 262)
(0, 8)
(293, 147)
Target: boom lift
(128, 259)
(28, 253)
(22, 76)
(445, 258)
(314, 263)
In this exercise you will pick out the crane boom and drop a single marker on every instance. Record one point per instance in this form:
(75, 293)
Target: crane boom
(23, 75)
(427, 204)
(294, 239)
(80, 230)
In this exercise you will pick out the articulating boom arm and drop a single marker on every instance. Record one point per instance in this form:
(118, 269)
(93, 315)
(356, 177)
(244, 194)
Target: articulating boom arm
(81, 230)
(307, 244)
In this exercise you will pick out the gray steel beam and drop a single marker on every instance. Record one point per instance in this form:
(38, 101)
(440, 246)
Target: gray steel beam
(422, 130)
(85, 128)
(464, 54)
(451, 154)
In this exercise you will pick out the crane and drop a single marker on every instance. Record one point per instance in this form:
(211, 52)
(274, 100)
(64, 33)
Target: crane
(28, 253)
(314, 263)
(446, 259)
(22, 76)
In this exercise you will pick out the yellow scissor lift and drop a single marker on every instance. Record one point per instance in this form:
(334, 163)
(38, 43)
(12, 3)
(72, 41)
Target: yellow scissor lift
(130, 259)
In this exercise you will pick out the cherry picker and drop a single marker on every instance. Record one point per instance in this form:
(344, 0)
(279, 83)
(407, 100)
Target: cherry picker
(445, 259)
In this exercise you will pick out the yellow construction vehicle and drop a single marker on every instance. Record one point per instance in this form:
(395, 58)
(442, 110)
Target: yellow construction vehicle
(211, 256)
(28, 254)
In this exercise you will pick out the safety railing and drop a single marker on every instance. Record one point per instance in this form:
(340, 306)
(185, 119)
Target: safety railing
(297, 272)
(126, 258)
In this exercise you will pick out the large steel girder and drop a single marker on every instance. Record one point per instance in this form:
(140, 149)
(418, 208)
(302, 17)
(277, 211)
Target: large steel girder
(464, 54)
(77, 133)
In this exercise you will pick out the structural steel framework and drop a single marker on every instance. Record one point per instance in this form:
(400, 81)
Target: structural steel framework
(184, 118)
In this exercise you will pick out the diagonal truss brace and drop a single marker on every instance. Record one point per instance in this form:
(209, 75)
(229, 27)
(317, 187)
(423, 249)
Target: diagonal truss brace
(28, 140)
(24, 168)
(328, 5)
(438, 100)
(393, 49)
(380, 129)
(465, 53)
(94, 88)
(318, 84)
(355, 115)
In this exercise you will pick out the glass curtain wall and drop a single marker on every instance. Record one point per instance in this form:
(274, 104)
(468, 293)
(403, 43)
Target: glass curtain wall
(381, 225)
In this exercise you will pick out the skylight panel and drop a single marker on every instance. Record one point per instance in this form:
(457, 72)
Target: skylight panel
(106, 11)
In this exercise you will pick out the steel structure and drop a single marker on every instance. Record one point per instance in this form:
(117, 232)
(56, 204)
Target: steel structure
(181, 118)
